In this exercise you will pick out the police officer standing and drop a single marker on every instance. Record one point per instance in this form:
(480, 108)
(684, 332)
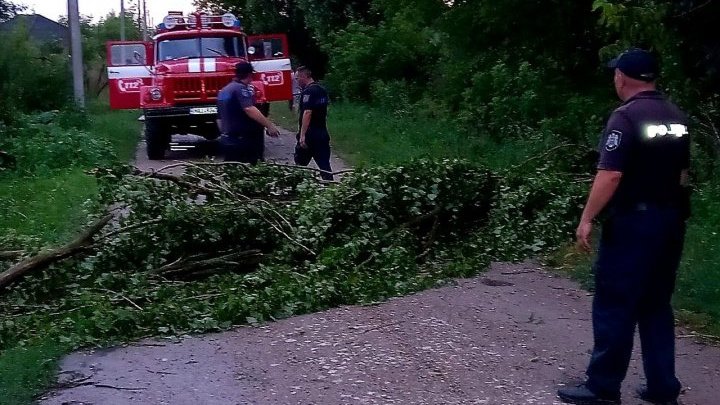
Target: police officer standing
(641, 189)
(313, 138)
(240, 121)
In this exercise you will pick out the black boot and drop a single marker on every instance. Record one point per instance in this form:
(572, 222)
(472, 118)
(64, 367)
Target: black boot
(581, 395)
(647, 396)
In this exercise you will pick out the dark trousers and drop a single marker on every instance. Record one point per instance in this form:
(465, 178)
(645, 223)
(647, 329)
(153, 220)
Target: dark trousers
(318, 142)
(248, 148)
(635, 275)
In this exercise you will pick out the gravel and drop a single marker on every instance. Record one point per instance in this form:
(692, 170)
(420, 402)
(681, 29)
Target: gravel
(510, 336)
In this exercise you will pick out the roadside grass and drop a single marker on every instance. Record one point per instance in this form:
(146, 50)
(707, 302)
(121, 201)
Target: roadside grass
(697, 296)
(365, 135)
(25, 372)
(51, 206)
(698, 287)
(282, 116)
(120, 128)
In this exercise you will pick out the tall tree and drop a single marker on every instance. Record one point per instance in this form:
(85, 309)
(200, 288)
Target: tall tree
(9, 9)
(275, 16)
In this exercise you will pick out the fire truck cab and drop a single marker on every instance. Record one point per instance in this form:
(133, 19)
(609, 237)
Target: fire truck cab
(175, 78)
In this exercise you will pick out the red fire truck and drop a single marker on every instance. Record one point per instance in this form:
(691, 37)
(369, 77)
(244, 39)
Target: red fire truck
(176, 77)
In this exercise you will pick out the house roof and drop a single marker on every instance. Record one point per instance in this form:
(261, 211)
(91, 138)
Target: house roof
(39, 28)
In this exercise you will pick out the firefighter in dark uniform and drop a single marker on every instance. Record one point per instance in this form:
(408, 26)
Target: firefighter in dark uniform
(241, 122)
(313, 136)
(641, 190)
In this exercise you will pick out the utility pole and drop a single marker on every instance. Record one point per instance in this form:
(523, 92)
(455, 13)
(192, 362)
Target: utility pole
(122, 20)
(77, 58)
(145, 23)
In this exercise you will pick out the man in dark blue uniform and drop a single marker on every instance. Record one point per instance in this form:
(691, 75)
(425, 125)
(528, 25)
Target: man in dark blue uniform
(241, 123)
(641, 188)
(313, 138)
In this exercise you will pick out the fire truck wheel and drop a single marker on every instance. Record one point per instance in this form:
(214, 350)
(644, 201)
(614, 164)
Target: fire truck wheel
(157, 140)
(210, 132)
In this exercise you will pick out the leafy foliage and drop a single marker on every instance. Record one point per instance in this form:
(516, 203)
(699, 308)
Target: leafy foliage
(53, 140)
(543, 206)
(381, 232)
(8, 9)
(32, 77)
(476, 64)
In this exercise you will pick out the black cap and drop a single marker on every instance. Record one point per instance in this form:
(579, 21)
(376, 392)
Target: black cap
(638, 64)
(244, 69)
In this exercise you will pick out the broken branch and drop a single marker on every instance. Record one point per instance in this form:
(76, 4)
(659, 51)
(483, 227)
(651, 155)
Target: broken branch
(174, 179)
(45, 259)
(11, 255)
(205, 264)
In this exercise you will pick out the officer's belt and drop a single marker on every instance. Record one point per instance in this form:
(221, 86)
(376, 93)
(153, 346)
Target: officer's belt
(646, 206)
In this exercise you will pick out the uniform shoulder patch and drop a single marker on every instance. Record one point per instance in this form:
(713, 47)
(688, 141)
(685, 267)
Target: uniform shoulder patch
(613, 140)
(306, 98)
(247, 92)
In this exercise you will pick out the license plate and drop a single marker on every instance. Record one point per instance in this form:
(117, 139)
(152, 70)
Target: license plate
(203, 110)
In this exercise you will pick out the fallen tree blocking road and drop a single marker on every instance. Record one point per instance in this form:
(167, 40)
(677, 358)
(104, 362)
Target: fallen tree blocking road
(227, 244)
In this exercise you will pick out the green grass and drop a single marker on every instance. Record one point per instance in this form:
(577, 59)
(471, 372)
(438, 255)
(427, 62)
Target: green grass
(52, 206)
(698, 288)
(120, 128)
(48, 206)
(369, 136)
(26, 371)
(281, 115)
(365, 135)
(697, 296)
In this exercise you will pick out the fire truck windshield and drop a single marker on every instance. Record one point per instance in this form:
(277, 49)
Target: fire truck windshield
(207, 47)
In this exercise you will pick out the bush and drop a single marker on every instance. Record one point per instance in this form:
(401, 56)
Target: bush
(395, 51)
(506, 101)
(393, 96)
(53, 140)
(32, 77)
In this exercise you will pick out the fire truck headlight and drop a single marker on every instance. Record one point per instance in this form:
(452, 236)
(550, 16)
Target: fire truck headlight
(170, 22)
(229, 20)
(156, 94)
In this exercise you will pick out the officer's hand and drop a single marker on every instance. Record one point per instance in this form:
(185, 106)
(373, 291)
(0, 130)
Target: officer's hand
(273, 132)
(303, 144)
(583, 233)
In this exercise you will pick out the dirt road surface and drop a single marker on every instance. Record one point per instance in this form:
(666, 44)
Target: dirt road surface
(510, 336)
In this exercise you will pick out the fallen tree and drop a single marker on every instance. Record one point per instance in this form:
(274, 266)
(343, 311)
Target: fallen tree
(226, 244)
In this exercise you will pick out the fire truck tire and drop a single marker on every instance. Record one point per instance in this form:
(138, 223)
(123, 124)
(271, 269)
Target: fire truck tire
(210, 132)
(157, 140)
